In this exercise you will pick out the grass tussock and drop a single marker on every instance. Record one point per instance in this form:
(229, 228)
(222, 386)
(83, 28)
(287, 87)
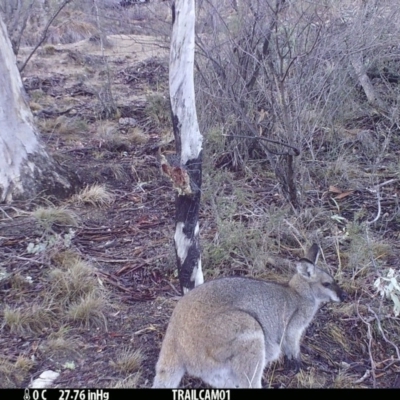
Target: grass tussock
(71, 28)
(89, 311)
(128, 383)
(73, 294)
(157, 110)
(346, 380)
(35, 318)
(66, 259)
(95, 195)
(55, 215)
(60, 347)
(24, 364)
(335, 333)
(73, 280)
(12, 374)
(136, 136)
(19, 282)
(309, 379)
(118, 172)
(64, 125)
(128, 360)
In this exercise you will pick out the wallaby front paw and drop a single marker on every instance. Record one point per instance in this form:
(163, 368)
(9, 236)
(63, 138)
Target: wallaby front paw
(293, 364)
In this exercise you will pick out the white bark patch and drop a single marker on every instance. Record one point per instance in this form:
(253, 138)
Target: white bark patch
(182, 243)
(185, 290)
(17, 134)
(25, 166)
(181, 81)
(197, 275)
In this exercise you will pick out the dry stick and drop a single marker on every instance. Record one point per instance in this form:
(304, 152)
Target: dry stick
(373, 365)
(108, 83)
(44, 35)
(383, 333)
(5, 214)
(14, 26)
(386, 183)
(379, 208)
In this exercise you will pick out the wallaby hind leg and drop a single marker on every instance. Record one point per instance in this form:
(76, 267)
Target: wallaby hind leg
(169, 369)
(238, 361)
(168, 378)
(248, 367)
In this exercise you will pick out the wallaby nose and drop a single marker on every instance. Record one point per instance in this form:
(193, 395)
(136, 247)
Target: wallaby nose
(342, 295)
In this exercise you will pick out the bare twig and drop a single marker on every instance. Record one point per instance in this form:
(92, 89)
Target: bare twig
(296, 151)
(385, 183)
(379, 207)
(107, 100)
(383, 333)
(13, 27)
(370, 339)
(44, 34)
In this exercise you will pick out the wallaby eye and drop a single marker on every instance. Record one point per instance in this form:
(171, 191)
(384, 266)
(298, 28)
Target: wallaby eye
(326, 284)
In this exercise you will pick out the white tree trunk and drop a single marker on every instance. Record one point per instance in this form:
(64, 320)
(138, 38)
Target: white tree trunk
(186, 171)
(25, 167)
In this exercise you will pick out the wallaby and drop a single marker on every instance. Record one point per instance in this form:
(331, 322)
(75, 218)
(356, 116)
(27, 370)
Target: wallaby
(227, 330)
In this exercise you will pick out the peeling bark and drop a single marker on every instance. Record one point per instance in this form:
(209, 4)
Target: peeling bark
(25, 167)
(186, 173)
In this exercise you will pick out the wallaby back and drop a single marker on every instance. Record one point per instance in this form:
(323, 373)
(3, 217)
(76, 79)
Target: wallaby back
(226, 331)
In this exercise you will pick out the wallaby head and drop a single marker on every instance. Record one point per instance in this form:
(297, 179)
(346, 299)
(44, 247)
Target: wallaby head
(312, 282)
(227, 330)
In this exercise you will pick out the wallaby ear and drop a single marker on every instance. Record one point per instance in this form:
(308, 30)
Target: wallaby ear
(306, 268)
(313, 253)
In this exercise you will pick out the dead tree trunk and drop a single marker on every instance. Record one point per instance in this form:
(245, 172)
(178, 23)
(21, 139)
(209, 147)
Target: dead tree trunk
(186, 172)
(25, 167)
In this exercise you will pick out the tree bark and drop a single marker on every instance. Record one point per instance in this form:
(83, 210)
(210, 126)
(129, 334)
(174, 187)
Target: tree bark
(186, 172)
(25, 167)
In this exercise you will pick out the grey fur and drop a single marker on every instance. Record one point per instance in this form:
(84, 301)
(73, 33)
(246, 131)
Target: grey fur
(227, 330)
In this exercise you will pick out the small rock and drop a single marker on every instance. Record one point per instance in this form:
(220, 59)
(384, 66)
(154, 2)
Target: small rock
(45, 379)
(127, 121)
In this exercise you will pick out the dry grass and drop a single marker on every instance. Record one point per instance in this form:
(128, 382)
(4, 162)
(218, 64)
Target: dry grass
(118, 172)
(24, 364)
(95, 195)
(67, 258)
(72, 281)
(128, 360)
(89, 311)
(64, 125)
(346, 380)
(310, 379)
(76, 288)
(60, 348)
(12, 374)
(115, 138)
(137, 136)
(35, 318)
(70, 28)
(70, 298)
(335, 332)
(55, 215)
(19, 282)
(158, 110)
(128, 383)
